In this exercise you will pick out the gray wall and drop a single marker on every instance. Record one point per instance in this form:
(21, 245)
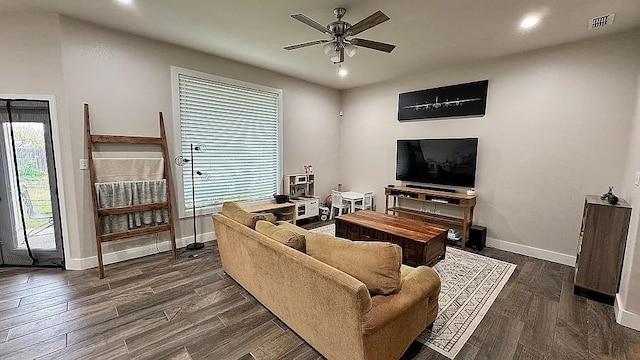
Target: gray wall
(630, 283)
(126, 81)
(557, 127)
(561, 122)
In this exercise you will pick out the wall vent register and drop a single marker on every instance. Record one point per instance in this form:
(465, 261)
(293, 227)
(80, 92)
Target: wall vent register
(601, 21)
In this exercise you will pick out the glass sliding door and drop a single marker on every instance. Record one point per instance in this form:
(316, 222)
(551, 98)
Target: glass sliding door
(30, 232)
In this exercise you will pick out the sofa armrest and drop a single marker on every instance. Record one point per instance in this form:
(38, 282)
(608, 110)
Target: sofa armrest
(420, 284)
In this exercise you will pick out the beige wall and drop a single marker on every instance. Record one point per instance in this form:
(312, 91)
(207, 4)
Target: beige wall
(126, 81)
(31, 58)
(557, 127)
(630, 282)
(31, 63)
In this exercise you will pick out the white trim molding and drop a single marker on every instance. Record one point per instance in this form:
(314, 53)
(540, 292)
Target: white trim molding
(133, 253)
(532, 251)
(624, 317)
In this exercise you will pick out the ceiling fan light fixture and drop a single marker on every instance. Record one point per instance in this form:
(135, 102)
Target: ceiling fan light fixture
(341, 33)
(350, 50)
(329, 48)
(529, 22)
(342, 72)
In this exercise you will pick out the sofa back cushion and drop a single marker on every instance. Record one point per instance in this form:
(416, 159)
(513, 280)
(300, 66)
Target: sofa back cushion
(376, 264)
(282, 235)
(234, 212)
(296, 229)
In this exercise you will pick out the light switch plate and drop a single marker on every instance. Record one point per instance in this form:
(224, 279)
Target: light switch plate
(638, 179)
(84, 164)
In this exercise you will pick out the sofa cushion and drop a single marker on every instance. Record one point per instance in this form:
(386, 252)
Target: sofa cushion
(234, 212)
(376, 264)
(268, 217)
(405, 270)
(296, 229)
(281, 235)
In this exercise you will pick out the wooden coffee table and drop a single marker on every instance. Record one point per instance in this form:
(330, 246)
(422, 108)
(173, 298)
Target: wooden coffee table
(422, 243)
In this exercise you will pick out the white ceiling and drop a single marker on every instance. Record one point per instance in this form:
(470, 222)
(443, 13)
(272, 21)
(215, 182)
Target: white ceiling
(429, 34)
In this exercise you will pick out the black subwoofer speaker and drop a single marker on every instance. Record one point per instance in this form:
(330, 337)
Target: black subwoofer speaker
(477, 237)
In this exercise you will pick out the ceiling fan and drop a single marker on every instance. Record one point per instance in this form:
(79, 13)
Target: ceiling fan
(341, 32)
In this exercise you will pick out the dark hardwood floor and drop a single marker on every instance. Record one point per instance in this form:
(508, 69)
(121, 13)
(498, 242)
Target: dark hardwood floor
(159, 308)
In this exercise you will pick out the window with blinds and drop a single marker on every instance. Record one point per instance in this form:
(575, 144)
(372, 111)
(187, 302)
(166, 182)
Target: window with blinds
(236, 127)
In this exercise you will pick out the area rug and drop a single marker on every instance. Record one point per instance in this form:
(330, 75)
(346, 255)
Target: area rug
(470, 285)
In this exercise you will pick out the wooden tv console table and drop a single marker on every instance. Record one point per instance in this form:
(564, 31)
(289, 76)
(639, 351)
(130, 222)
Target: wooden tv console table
(463, 201)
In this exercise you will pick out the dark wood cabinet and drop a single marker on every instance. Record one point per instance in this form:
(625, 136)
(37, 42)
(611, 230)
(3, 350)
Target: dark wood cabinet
(601, 245)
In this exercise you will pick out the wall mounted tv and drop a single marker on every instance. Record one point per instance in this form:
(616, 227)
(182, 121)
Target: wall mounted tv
(438, 161)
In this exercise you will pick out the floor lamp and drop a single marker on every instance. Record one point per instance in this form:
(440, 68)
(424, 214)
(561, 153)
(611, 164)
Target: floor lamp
(181, 161)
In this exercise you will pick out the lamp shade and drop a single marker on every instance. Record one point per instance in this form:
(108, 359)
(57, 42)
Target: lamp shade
(329, 48)
(350, 50)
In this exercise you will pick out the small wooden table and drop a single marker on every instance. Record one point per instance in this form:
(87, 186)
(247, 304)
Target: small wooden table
(288, 207)
(422, 243)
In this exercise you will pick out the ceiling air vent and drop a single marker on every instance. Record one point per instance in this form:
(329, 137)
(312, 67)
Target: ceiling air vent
(601, 21)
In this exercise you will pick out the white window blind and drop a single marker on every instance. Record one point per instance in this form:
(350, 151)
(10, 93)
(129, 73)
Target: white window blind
(238, 127)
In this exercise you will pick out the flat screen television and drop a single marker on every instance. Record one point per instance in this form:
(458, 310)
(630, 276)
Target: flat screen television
(438, 161)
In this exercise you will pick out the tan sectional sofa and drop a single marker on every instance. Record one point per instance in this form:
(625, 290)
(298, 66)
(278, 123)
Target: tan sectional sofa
(331, 310)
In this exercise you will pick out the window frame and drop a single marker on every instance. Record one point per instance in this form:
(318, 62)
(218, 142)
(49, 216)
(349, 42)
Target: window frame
(183, 212)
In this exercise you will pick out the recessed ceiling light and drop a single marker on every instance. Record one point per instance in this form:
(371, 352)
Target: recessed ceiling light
(342, 72)
(529, 22)
(125, 2)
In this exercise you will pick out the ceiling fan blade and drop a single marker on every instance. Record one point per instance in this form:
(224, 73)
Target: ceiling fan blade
(314, 24)
(375, 45)
(301, 45)
(375, 19)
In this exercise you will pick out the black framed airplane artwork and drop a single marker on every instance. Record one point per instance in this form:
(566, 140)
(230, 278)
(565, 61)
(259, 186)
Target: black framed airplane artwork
(461, 100)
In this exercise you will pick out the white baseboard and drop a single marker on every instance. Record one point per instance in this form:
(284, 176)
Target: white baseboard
(533, 252)
(624, 317)
(128, 254)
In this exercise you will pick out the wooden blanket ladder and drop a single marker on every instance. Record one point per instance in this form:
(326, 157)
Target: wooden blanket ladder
(92, 139)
